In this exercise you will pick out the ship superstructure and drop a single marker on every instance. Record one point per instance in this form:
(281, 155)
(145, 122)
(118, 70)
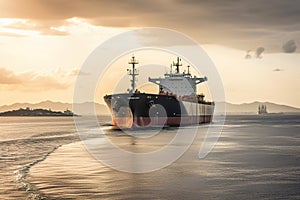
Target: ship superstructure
(177, 102)
(181, 84)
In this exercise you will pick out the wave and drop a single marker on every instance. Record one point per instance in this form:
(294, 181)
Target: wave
(22, 173)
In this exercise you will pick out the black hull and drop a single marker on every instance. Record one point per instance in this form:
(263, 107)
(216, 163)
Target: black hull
(142, 110)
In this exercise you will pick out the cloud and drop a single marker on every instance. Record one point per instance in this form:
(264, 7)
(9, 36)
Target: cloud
(277, 70)
(63, 9)
(289, 47)
(22, 27)
(8, 34)
(245, 12)
(248, 56)
(259, 52)
(77, 72)
(8, 77)
(241, 24)
(31, 81)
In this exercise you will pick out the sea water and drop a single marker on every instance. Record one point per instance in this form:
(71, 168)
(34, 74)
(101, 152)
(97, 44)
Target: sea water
(256, 157)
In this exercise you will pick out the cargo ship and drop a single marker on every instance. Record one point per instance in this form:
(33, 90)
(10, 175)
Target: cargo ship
(176, 103)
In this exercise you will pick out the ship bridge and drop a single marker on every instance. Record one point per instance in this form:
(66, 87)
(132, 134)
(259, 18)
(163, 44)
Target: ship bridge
(181, 84)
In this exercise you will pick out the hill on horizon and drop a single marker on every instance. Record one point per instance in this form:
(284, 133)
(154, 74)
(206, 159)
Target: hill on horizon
(252, 108)
(59, 106)
(81, 108)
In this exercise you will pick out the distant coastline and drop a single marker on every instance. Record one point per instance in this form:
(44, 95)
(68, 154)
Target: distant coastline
(38, 112)
(84, 108)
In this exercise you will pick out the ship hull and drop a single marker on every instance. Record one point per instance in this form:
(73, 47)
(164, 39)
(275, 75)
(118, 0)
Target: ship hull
(152, 110)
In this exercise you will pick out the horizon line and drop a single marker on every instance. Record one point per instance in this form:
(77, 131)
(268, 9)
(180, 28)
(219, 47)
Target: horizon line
(52, 101)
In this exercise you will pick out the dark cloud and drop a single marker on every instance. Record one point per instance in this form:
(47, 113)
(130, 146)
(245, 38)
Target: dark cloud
(230, 11)
(63, 9)
(30, 81)
(289, 47)
(259, 51)
(242, 24)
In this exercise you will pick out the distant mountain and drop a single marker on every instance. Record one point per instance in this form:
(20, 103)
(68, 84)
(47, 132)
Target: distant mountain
(100, 109)
(252, 108)
(82, 108)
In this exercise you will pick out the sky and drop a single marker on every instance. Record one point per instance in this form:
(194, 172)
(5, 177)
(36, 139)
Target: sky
(44, 43)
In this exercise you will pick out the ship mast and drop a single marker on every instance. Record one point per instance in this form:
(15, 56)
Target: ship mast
(188, 69)
(177, 64)
(133, 73)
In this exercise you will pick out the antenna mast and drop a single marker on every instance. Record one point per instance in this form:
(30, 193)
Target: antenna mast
(133, 72)
(177, 64)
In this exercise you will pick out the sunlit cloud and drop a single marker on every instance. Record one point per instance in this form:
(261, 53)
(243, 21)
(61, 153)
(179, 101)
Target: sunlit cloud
(15, 27)
(12, 27)
(31, 81)
(24, 27)
(77, 72)
(8, 77)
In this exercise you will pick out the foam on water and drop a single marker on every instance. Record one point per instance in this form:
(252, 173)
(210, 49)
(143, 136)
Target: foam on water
(21, 175)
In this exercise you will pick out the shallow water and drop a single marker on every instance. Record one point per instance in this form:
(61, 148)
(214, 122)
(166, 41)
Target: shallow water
(256, 157)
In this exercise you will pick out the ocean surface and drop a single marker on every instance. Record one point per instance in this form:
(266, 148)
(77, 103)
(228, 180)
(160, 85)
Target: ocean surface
(256, 157)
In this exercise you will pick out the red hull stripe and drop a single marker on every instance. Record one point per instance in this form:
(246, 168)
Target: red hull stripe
(129, 122)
